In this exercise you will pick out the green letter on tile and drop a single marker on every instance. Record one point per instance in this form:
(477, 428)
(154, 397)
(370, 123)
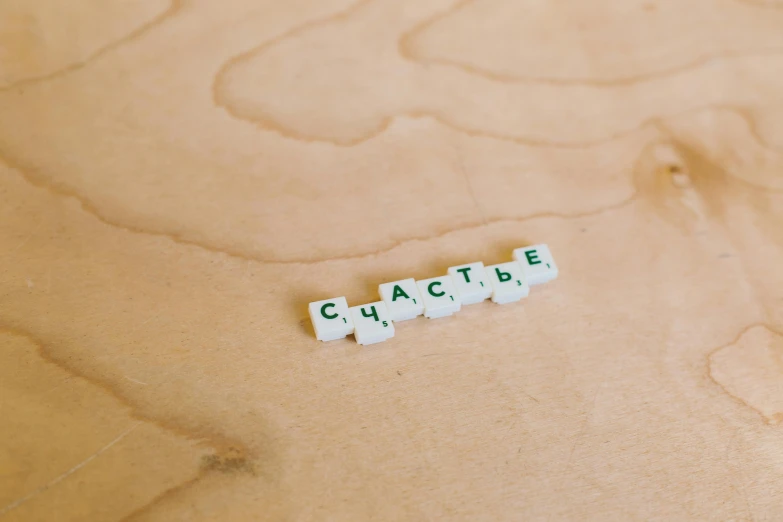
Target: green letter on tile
(323, 311)
(502, 276)
(532, 257)
(399, 292)
(429, 289)
(373, 314)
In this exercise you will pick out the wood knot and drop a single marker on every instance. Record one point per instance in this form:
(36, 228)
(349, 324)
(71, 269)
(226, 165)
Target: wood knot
(232, 461)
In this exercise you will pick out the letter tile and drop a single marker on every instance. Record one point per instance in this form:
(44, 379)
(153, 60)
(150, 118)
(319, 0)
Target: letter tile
(331, 319)
(471, 282)
(537, 263)
(372, 323)
(508, 282)
(402, 299)
(440, 296)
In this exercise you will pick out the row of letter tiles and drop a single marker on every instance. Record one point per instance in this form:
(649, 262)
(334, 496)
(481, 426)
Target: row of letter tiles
(436, 297)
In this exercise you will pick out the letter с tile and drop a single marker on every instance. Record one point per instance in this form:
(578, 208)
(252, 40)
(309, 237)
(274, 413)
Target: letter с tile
(331, 319)
(440, 296)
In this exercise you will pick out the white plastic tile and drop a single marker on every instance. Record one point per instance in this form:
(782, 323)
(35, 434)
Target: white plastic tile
(508, 282)
(537, 263)
(372, 323)
(331, 319)
(440, 296)
(471, 282)
(402, 299)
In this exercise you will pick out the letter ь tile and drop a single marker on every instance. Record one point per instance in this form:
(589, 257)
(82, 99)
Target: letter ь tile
(471, 282)
(508, 282)
(537, 263)
(331, 319)
(440, 296)
(402, 299)
(372, 323)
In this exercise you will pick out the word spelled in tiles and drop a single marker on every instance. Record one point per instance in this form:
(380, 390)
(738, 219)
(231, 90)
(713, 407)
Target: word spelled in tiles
(436, 297)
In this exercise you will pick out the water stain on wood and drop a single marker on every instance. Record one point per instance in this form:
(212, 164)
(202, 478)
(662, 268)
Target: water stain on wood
(228, 456)
(750, 369)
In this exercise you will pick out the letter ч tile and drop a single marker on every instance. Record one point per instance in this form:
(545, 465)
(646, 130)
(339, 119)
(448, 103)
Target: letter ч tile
(372, 323)
(508, 282)
(440, 296)
(537, 263)
(471, 282)
(331, 319)
(402, 299)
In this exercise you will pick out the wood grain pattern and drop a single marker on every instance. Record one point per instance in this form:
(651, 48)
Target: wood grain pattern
(179, 179)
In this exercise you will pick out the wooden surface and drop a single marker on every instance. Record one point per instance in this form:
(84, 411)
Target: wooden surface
(179, 180)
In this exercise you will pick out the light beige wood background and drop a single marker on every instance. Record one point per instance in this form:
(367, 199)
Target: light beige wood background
(179, 179)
